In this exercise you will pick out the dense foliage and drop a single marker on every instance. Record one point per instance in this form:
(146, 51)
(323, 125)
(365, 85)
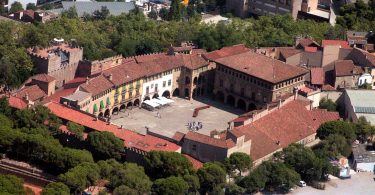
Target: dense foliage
(10, 184)
(105, 145)
(328, 104)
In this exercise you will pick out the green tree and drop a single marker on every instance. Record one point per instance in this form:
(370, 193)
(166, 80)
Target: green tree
(234, 189)
(238, 161)
(365, 86)
(255, 181)
(337, 127)
(131, 175)
(70, 13)
(193, 183)
(211, 176)
(280, 176)
(81, 176)
(160, 164)
(327, 104)
(5, 121)
(364, 129)
(101, 14)
(15, 7)
(163, 13)
(125, 190)
(105, 145)
(76, 129)
(56, 188)
(175, 10)
(4, 107)
(31, 6)
(170, 186)
(153, 15)
(10, 184)
(335, 145)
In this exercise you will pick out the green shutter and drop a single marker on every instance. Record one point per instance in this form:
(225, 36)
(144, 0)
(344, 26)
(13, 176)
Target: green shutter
(95, 108)
(101, 104)
(108, 102)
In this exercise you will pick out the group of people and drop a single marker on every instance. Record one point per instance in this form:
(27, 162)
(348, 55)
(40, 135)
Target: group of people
(194, 126)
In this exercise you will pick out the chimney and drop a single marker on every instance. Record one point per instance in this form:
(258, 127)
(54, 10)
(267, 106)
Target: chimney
(279, 105)
(26, 97)
(87, 80)
(311, 104)
(110, 77)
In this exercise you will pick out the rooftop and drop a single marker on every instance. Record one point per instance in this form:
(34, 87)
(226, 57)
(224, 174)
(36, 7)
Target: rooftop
(33, 92)
(96, 85)
(342, 44)
(317, 76)
(347, 68)
(361, 98)
(205, 139)
(262, 67)
(289, 124)
(363, 153)
(226, 51)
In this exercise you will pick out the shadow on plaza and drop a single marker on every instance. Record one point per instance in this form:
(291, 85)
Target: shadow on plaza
(219, 105)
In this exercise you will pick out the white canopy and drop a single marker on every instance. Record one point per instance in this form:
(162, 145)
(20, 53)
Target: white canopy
(158, 101)
(151, 103)
(165, 99)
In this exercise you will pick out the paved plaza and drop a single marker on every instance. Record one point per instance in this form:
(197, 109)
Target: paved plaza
(176, 117)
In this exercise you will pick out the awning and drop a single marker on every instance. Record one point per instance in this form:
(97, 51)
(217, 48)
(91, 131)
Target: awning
(158, 101)
(165, 99)
(150, 103)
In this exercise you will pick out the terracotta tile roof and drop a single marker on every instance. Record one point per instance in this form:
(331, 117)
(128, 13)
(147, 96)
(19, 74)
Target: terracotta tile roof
(160, 65)
(33, 91)
(307, 42)
(182, 48)
(292, 123)
(287, 52)
(205, 139)
(199, 51)
(75, 82)
(343, 44)
(43, 52)
(306, 90)
(125, 72)
(43, 77)
(262, 67)
(149, 57)
(178, 136)
(311, 49)
(61, 93)
(317, 76)
(226, 51)
(194, 61)
(17, 103)
(347, 68)
(97, 85)
(131, 139)
(328, 88)
(196, 163)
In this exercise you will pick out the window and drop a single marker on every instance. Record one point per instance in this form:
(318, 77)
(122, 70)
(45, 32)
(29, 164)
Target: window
(242, 91)
(152, 86)
(156, 87)
(147, 90)
(164, 83)
(169, 82)
(194, 147)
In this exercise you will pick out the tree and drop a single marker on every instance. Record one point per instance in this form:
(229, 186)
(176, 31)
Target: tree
(175, 11)
(234, 189)
(105, 145)
(125, 190)
(364, 129)
(335, 145)
(327, 104)
(10, 184)
(132, 176)
(238, 161)
(101, 14)
(76, 129)
(4, 107)
(15, 7)
(211, 176)
(365, 86)
(5, 121)
(31, 6)
(163, 13)
(56, 188)
(70, 13)
(254, 182)
(337, 127)
(160, 164)
(153, 14)
(170, 186)
(193, 183)
(280, 176)
(81, 176)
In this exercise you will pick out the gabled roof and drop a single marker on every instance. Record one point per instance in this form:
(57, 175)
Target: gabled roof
(124, 73)
(97, 85)
(205, 139)
(288, 52)
(307, 42)
(262, 67)
(43, 77)
(33, 92)
(317, 76)
(194, 61)
(347, 68)
(16, 102)
(289, 124)
(226, 51)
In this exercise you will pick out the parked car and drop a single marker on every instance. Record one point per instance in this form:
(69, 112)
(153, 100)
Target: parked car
(301, 184)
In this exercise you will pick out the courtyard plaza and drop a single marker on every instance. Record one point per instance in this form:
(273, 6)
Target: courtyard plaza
(176, 117)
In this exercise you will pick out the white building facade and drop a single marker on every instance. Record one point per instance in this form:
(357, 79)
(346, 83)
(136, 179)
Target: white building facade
(157, 85)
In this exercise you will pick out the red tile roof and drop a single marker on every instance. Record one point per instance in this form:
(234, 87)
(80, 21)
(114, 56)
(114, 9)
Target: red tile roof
(178, 136)
(125, 72)
(226, 51)
(97, 85)
(262, 67)
(328, 88)
(292, 123)
(131, 139)
(347, 68)
(42, 77)
(307, 42)
(194, 61)
(205, 139)
(33, 91)
(196, 163)
(287, 52)
(317, 76)
(306, 90)
(311, 49)
(343, 44)
(17, 103)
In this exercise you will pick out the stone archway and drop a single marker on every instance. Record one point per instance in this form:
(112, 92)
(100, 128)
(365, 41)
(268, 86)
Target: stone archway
(195, 81)
(155, 96)
(101, 115)
(146, 98)
(115, 110)
(195, 94)
(129, 105)
(241, 104)
(136, 102)
(166, 94)
(219, 96)
(230, 100)
(122, 107)
(176, 92)
(187, 94)
(107, 113)
(187, 80)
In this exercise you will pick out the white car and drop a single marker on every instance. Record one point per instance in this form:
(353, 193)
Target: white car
(302, 183)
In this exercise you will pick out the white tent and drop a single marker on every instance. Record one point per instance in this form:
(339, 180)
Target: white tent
(165, 99)
(150, 103)
(158, 101)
